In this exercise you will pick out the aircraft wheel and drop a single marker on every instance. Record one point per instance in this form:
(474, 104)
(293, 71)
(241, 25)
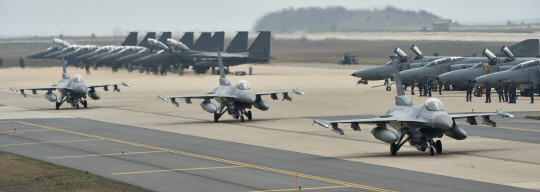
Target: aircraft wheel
(249, 115)
(216, 117)
(85, 104)
(438, 146)
(393, 149)
(388, 88)
(57, 105)
(242, 118)
(431, 151)
(77, 105)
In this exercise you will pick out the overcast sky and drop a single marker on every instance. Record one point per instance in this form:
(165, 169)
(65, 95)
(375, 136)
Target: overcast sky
(103, 17)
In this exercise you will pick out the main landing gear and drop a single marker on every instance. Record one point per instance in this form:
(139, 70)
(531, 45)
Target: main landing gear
(74, 102)
(224, 108)
(433, 146)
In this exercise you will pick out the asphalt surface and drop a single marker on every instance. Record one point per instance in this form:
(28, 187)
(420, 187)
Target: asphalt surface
(204, 164)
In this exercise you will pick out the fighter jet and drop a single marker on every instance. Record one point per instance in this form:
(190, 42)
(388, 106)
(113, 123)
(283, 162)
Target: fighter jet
(72, 90)
(440, 66)
(521, 74)
(526, 48)
(495, 64)
(181, 53)
(38, 55)
(234, 99)
(419, 125)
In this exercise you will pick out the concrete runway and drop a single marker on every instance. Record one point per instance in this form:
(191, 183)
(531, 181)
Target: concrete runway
(162, 161)
(271, 148)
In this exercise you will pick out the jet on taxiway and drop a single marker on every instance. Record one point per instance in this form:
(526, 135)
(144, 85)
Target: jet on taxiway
(237, 99)
(72, 90)
(419, 125)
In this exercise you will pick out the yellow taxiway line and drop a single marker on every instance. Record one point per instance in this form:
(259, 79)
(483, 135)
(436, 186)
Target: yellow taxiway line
(165, 170)
(109, 154)
(48, 142)
(212, 158)
(303, 189)
(25, 131)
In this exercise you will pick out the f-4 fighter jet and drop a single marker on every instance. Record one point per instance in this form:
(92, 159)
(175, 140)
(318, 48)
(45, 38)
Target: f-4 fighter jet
(419, 125)
(234, 99)
(72, 90)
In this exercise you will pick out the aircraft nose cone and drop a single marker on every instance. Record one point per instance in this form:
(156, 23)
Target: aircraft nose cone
(353, 75)
(443, 121)
(81, 89)
(248, 97)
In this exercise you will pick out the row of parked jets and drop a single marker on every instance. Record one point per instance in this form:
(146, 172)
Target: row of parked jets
(519, 63)
(180, 54)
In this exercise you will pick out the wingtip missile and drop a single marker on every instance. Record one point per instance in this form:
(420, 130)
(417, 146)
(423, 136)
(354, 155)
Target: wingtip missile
(162, 98)
(321, 123)
(13, 89)
(125, 84)
(504, 114)
(298, 91)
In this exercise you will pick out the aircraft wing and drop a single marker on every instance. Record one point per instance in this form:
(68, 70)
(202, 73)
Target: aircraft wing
(105, 86)
(461, 116)
(354, 122)
(223, 55)
(188, 98)
(34, 89)
(285, 94)
(485, 117)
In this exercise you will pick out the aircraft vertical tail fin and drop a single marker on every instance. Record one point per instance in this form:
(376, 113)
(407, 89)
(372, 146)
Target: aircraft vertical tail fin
(202, 41)
(187, 39)
(217, 40)
(144, 42)
(131, 39)
(239, 43)
(164, 36)
(526, 48)
(222, 78)
(401, 98)
(261, 46)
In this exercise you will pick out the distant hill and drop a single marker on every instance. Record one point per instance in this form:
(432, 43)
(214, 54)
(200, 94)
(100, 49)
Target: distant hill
(341, 19)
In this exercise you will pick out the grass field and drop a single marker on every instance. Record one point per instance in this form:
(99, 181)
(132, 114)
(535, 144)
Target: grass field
(19, 173)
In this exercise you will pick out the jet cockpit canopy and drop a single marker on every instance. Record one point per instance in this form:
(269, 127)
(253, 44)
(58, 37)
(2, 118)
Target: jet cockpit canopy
(243, 85)
(77, 78)
(434, 104)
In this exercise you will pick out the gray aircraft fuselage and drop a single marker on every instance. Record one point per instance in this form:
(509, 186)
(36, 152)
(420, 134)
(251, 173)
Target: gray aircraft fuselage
(67, 50)
(81, 51)
(382, 72)
(39, 55)
(111, 58)
(521, 74)
(435, 68)
(469, 74)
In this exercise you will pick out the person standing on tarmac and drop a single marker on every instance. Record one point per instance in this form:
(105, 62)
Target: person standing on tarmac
(430, 85)
(420, 85)
(488, 92)
(500, 91)
(412, 85)
(513, 91)
(87, 67)
(470, 87)
(531, 92)
(505, 90)
(425, 86)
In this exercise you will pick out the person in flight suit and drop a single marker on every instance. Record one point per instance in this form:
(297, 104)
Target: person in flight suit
(513, 91)
(470, 87)
(412, 85)
(505, 90)
(500, 88)
(531, 92)
(420, 85)
(488, 92)
(425, 86)
(430, 85)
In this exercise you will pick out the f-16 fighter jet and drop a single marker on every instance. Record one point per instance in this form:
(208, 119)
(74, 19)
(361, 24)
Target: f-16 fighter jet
(419, 125)
(234, 99)
(72, 90)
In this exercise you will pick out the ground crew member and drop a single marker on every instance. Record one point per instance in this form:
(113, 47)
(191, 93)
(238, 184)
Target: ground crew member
(250, 70)
(513, 93)
(505, 90)
(425, 86)
(531, 92)
(470, 87)
(87, 67)
(420, 85)
(430, 85)
(500, 88)
(488, 92)
(412, 85)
